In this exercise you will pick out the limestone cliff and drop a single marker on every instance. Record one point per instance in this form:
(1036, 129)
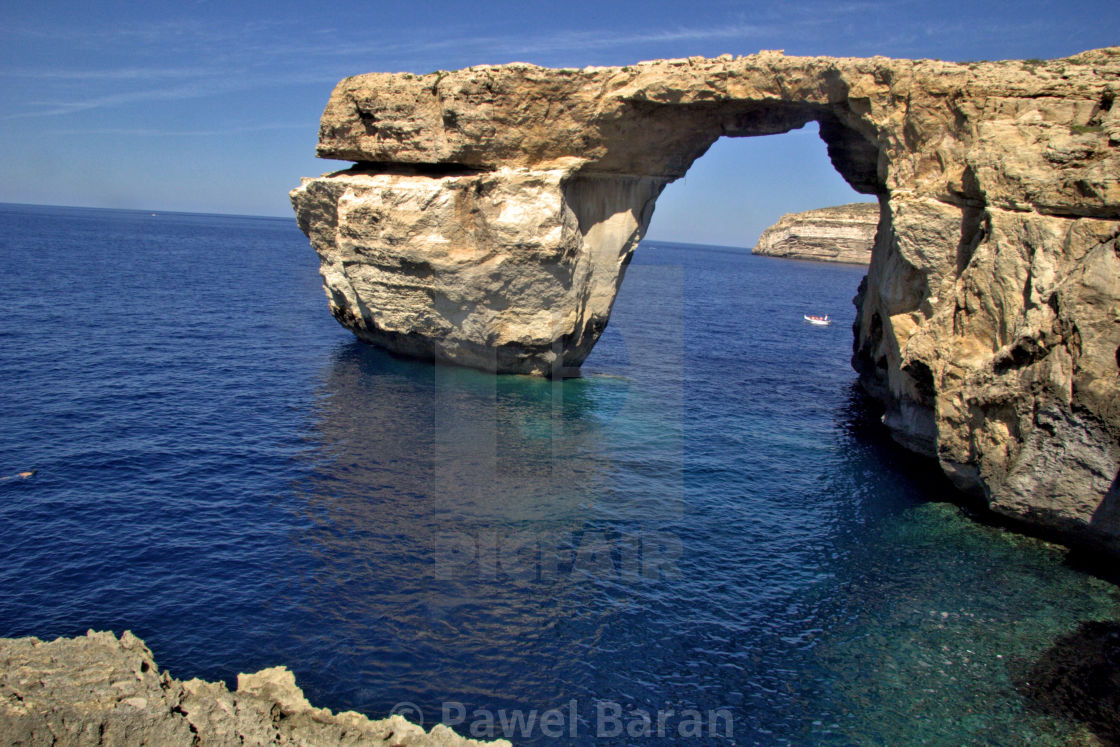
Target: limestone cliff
(843, 233)
(492, 212)
(101, 690)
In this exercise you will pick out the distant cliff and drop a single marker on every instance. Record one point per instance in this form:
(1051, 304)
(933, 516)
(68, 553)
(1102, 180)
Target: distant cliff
(844, 233)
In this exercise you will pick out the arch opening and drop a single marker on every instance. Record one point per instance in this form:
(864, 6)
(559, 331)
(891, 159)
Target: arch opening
(743, 184)
(673, 136)
(614, 212)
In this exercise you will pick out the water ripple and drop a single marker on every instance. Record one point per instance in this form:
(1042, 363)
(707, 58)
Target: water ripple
(708, 518)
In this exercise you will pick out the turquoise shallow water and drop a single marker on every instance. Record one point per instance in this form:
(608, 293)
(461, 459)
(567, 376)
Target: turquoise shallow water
(709, 522)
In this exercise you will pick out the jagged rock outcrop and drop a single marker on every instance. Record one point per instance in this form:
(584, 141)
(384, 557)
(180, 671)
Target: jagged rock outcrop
(843, 233)
(492, 211)
(101, 690)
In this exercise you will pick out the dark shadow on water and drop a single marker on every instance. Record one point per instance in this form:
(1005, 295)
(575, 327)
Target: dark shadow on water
(1078, 679)
(1093, 562)
(863, 423)
(862, 420)
(1108, 515)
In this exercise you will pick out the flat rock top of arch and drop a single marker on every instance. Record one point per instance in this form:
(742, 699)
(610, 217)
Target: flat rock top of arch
(654, 118)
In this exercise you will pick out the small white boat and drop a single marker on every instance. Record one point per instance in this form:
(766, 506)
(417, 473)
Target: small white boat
(823, 321)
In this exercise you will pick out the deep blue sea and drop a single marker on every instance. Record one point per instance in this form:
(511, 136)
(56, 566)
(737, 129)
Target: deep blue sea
(705, 537)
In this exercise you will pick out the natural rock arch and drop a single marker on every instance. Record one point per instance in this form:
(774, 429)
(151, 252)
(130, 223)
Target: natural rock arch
(491, 213)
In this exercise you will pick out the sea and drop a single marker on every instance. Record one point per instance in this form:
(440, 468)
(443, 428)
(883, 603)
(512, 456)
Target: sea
(707, 538)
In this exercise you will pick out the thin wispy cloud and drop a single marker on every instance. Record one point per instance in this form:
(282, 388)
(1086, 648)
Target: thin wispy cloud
(574, 41)
(273, 53)
(190, 89)
(156, 132)
(170, 31)
(104, 88)
(464, 42)
(257, 63)
(133, 73)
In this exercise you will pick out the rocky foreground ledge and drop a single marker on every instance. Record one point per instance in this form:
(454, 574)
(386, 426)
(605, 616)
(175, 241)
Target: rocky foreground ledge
(101, 690)
(844, 233)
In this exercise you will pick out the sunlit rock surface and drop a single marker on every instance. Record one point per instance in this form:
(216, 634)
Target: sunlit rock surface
(492, 211)
(101, 690)
(843, 233)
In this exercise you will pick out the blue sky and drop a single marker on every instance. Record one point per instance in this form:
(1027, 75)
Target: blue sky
(214, 106)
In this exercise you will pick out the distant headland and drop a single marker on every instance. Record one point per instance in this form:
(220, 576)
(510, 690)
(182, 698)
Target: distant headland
(843, 233)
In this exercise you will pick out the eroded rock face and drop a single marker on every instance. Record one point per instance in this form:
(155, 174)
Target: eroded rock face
(843, 233)
(101, 690)
(512, 270)
(493, 210)
(999, 357)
